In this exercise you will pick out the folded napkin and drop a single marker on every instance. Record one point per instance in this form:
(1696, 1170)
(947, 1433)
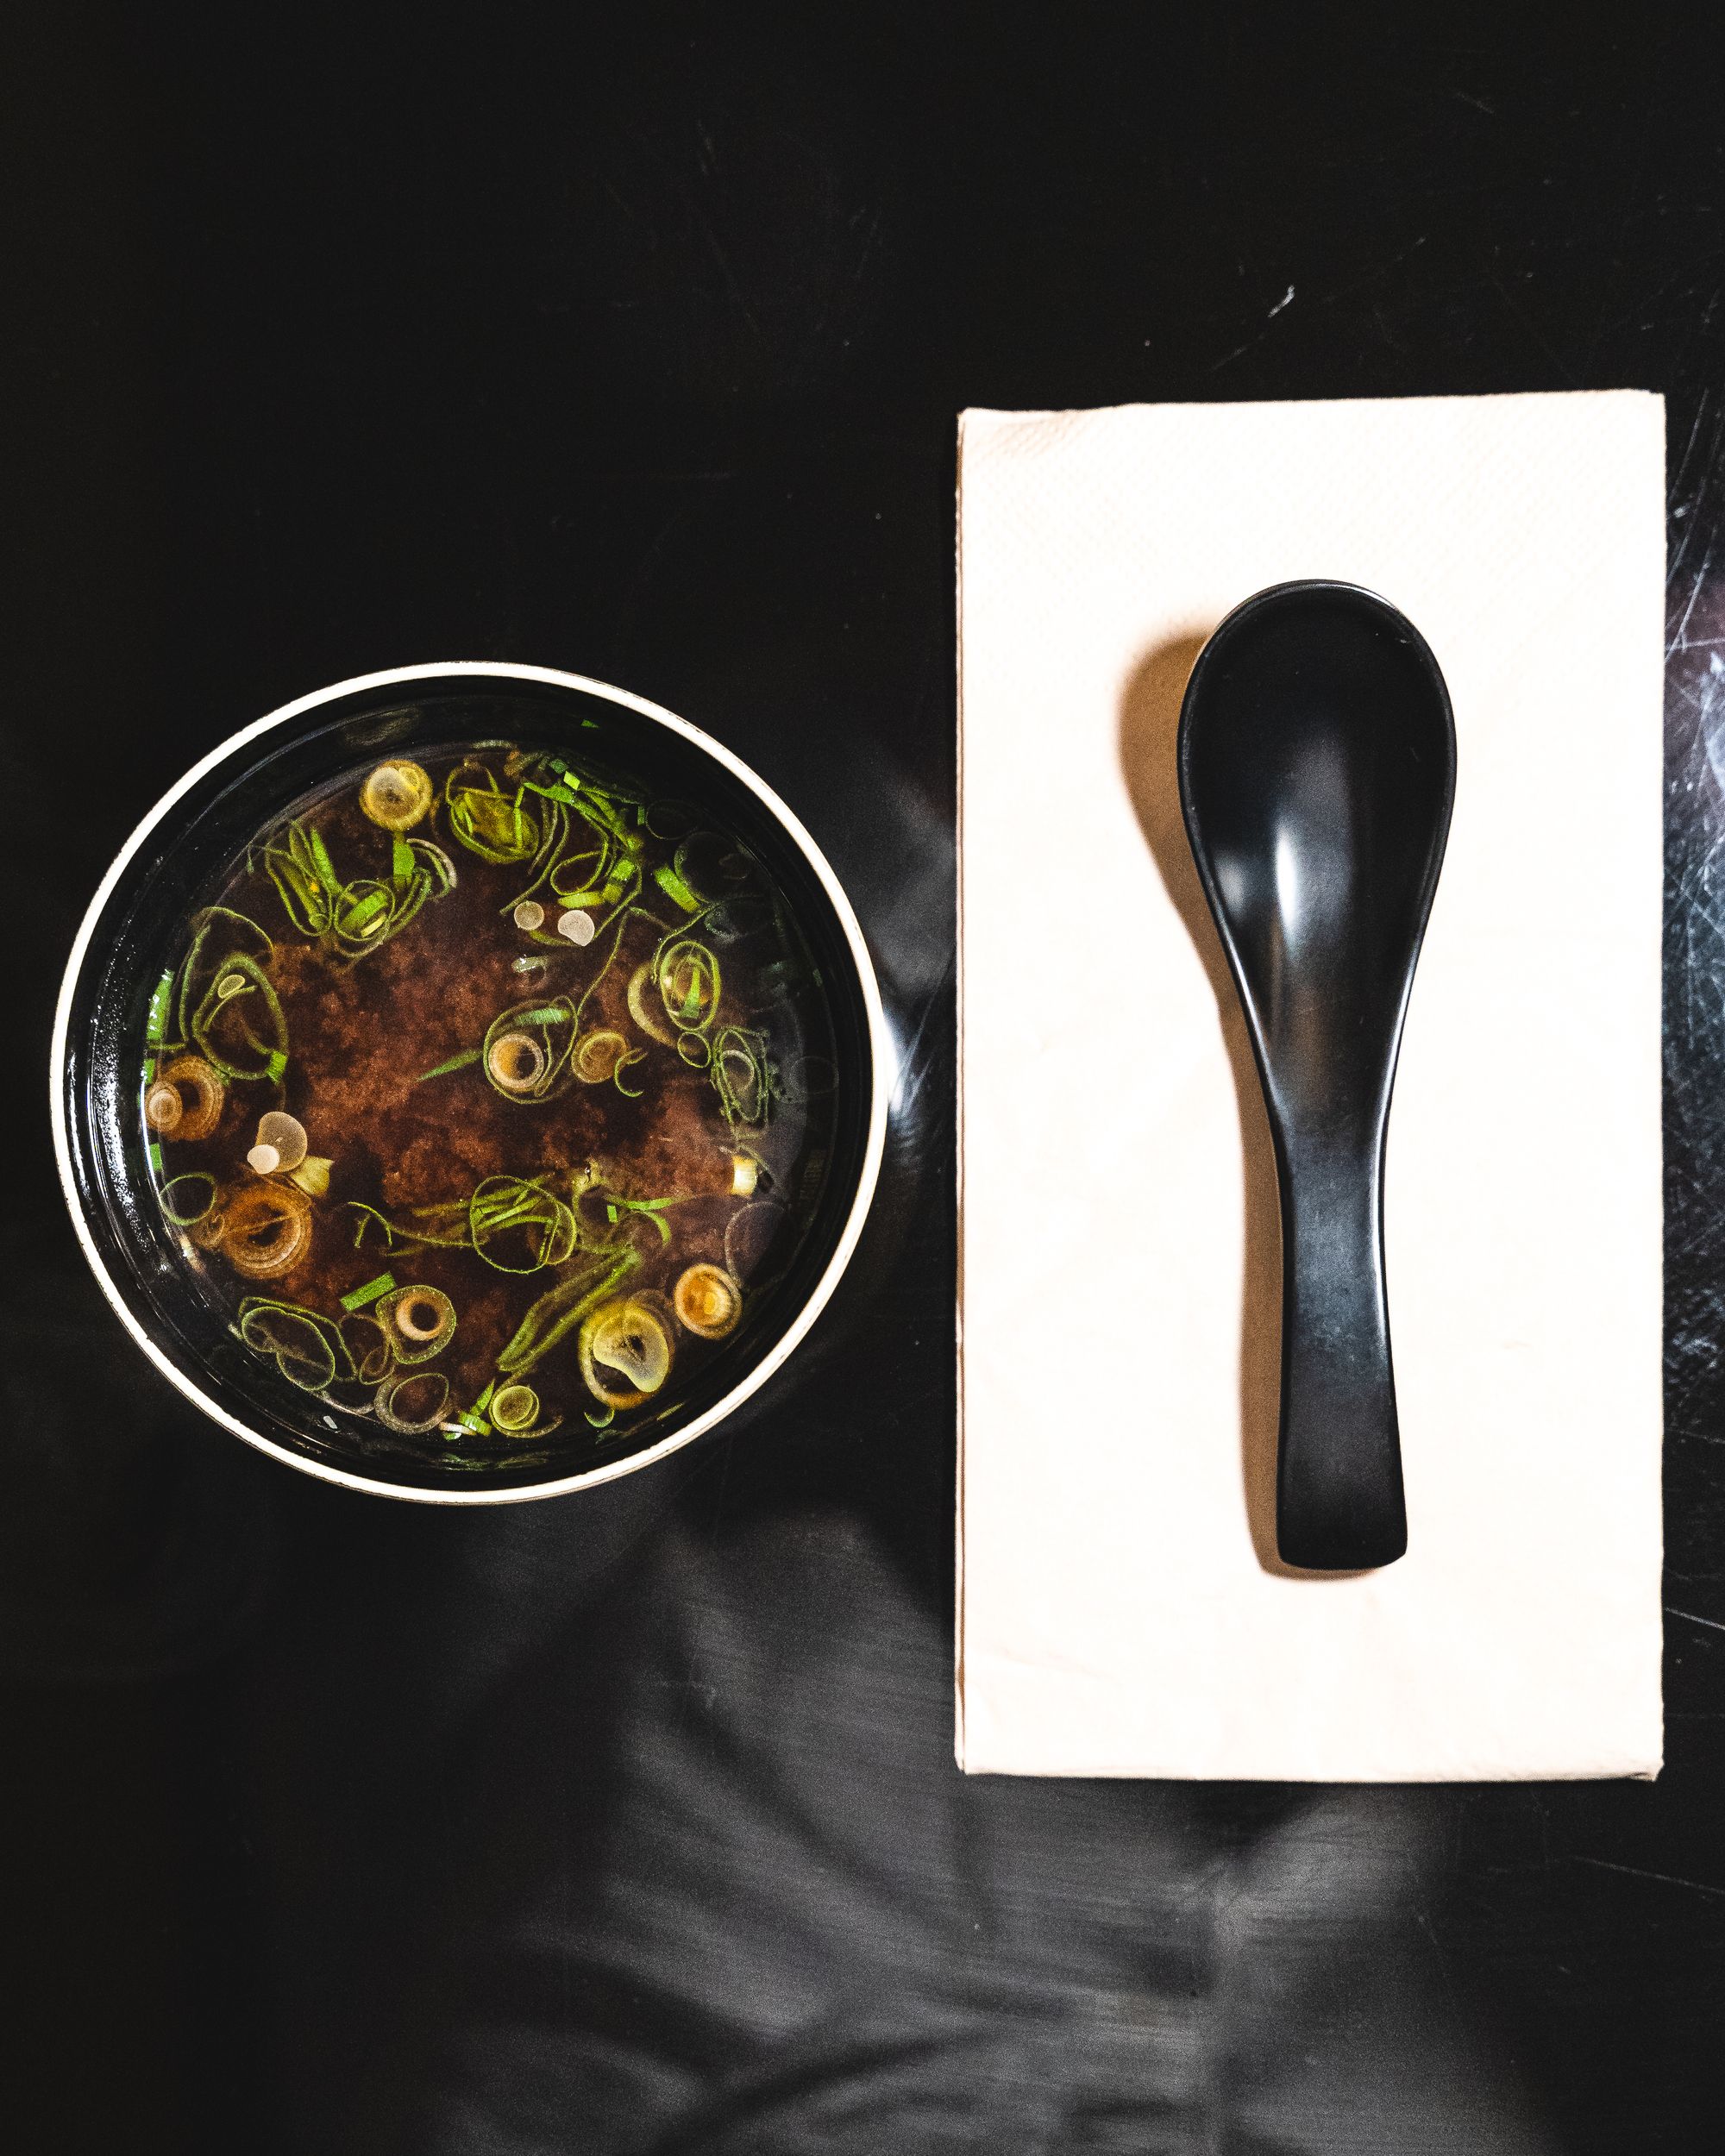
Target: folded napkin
(1122, 1609)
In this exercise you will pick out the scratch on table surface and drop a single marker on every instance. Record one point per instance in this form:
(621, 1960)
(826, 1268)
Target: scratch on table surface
(1689, 1618)
(1513, 307)
(1688, 494)
(1423, 1919)
(1663, 1878)
(1679, 640)
(1324, 299)
(1694, 1028)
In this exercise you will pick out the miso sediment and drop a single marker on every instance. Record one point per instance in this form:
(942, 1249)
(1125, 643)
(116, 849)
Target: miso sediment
(490, 1100)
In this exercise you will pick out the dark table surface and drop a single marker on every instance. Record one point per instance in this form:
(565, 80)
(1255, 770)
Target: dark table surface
(632, 343)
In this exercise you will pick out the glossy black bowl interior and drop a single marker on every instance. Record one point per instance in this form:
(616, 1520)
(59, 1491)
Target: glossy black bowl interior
(138, 935)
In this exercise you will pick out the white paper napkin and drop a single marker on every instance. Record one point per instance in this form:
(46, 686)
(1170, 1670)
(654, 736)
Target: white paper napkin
(1121, 1611)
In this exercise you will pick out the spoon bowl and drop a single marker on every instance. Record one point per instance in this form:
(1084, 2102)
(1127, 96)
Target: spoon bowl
(1317, 773)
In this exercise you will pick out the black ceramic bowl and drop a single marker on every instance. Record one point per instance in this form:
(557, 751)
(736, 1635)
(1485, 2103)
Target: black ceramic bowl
(132, 932)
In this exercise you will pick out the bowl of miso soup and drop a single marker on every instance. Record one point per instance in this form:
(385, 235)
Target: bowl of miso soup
(470, 1083)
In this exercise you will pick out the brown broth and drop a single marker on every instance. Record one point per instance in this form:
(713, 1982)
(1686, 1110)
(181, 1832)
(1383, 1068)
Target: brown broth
(595, 1158)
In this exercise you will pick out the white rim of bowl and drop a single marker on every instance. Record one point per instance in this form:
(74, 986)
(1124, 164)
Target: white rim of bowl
(882, 1047)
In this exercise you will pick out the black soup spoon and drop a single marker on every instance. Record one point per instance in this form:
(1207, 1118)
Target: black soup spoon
(1317, 771)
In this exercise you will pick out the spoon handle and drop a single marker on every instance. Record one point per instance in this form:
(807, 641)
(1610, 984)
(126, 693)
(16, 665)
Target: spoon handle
(1339, 1502)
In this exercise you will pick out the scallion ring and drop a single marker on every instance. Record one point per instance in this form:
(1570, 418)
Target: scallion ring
(651, 1022)
(516, 1064)
(164, 1108)
(240, 993)
(202, 1095)
(397, 795)
(418, 1322)
(515, 1409)
(284, 1136)
(400, 1403)
(495, 825)
(707, 1301)
(597, 1055)
(687, 974)
(743, 1077)
(266, 1229)
(175, 1209)
(625, 1352)
(750, 1235)
(300, 1341)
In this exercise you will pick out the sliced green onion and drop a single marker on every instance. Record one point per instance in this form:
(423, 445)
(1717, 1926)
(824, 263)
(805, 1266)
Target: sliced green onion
(241, 1052)
(750, 1235)
(623, 1339)
(498, 1206)
(284, 1135)
(174, 1209)
(306, 1347)
(266, 1228)
(687, 974)
(673, 887)
(515, 1409)
(707, 1301)
(418, 1322)
(194, 1076)
(164, 1108)
(312, 1176)
(641, 1008)
(357, 1298)
(162, 999)
(398, 794)
(488, 822)
(743, 1077)
(597, 1056)
(562, 1307)
(401, 1407)
(359, 916)
(456, 1062)
(516, 1063)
